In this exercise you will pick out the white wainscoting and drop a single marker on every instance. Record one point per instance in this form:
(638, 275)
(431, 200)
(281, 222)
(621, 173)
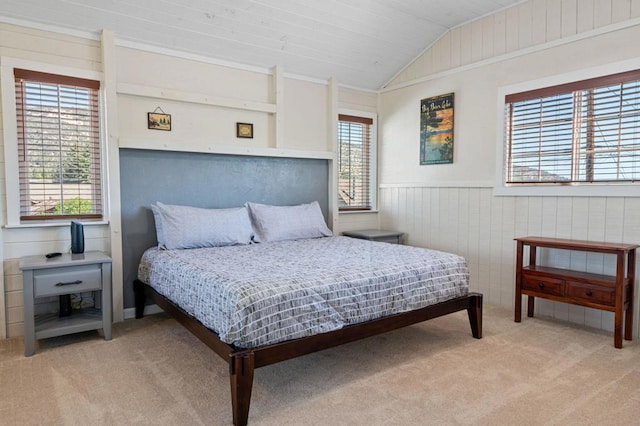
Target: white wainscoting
(481, 227)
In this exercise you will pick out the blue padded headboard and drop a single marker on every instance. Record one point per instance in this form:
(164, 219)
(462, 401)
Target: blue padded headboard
(205, 180)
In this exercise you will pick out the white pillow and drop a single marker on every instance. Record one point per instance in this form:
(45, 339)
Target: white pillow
(182, 227)
(279, 223)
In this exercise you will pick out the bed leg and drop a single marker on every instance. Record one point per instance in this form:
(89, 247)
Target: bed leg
(139, 297)
(475, 315)
(241, 366)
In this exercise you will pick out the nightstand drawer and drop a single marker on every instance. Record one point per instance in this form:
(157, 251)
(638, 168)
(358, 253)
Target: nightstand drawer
(51, 282)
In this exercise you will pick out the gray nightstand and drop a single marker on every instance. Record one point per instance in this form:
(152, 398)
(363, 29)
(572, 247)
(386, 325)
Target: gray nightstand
(393, 237)
(63, 275)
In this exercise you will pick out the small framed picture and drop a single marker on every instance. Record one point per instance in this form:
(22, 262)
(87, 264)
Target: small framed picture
(158, 121)
(244, 130)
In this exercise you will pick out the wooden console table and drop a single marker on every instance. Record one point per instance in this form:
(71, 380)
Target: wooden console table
(609, 293)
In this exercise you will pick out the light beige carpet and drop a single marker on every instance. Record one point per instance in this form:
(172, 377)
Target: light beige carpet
(540, 371)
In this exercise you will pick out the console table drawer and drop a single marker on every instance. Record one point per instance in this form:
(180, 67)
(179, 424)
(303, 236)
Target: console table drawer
(591, 293)
(543, 285)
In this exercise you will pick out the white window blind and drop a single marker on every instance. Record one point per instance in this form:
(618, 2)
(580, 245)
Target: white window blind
(354, 163)
(58, 146)
(576, 133)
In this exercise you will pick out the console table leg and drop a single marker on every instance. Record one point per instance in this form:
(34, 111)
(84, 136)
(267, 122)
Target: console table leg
(531, 303)
(628, 323)
(617, 333)
(631, 278)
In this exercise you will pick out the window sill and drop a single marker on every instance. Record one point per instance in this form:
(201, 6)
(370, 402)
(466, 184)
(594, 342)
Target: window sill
(591, 190)
(52, 224)
(358, 211)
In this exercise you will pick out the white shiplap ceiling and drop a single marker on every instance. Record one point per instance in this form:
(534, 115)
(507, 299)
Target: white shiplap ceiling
(362, 43)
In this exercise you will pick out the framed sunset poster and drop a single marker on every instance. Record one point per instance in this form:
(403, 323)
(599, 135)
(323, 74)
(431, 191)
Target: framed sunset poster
(436, 130)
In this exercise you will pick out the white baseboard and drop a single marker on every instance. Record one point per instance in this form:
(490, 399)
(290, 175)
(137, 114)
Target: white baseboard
(130, 313)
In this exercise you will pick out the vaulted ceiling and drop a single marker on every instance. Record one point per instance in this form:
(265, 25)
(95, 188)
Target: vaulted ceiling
(362, 43)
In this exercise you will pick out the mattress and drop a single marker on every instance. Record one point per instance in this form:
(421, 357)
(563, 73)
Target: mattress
(260, 294)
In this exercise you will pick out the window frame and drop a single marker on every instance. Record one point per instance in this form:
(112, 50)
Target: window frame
(595, 189)
(10, 137)
(373, 160)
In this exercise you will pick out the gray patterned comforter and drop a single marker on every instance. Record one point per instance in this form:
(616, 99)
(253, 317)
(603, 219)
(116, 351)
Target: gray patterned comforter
(259, 294)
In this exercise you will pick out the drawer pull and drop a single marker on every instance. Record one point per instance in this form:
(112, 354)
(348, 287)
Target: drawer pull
(589, 293)
(76, 282)
(541, 285)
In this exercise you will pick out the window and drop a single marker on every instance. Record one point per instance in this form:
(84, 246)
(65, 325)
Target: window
(356, 159)
(583, 132)
(58, 134)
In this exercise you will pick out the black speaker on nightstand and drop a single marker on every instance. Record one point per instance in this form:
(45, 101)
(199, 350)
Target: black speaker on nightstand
(77, 237)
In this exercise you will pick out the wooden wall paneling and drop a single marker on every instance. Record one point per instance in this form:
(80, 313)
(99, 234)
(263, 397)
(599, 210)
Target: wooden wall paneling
(620, 10)
(579, 229)
(596, 261)
(391, 205)
(488, 38)
(476, 41)
(410, 213)
(442, 204)
(562, 258)
(484, 240)
(563, 218)
(452, 219)
(463, 222)
(495, 249)
(585, 16)
(64, 50)
(427, 65)
(525, 24)
(456, 34)
(614, 227)
(436, 58)
(507, 268)
(613, 231)
(554, 20)
(465, 44)
(568, 13)
(417, 236)
(538, 21)
(578, 259)
(445, 51)
(424, 235)
(549, 216)
(473, 236)
(631, 226)
(596, 232)
(602, 13)
(402, 210)
(551, 257)
(512, 32)
(534, 216)
(521, 222)
(534, 226)
(434, 216)
(419, 66)
(635, 9)
(499, 33)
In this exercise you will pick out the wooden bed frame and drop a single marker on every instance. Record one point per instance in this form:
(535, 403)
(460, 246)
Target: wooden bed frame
(243, 362)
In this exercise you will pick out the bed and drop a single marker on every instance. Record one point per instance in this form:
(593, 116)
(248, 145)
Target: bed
(281, 286)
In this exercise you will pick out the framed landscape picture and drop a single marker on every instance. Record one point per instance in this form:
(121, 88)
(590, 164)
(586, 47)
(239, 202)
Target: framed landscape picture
(436, 130)
(157, 121)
